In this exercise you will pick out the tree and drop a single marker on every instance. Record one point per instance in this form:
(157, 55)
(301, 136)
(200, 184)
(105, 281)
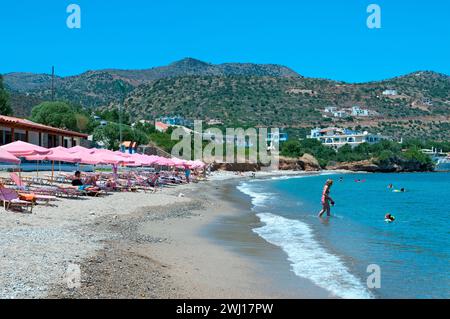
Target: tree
(292, 148)
(110, 135)
(114, 116)
(56, 114)
(5, 107)
(145, 127)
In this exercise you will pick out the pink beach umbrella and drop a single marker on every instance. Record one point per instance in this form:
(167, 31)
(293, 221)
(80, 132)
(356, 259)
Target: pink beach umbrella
(164, 161)
(133, 160)
(144, 160)
(197, 164)
(109, 157)
(21, 149)
(57, 155)
(179, 162)
(123, 154)
(6, 157)
(152, 159)
(77, 149)
(88, 158)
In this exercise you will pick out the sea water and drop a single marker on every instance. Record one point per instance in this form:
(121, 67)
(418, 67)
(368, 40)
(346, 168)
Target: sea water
(334, 253)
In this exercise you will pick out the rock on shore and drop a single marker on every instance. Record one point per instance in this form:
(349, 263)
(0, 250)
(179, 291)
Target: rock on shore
(305, 163)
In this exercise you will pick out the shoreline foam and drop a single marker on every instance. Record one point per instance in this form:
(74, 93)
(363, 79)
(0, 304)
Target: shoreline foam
(307, 257)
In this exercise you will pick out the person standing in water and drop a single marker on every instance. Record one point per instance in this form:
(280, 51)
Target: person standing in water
(326, 199)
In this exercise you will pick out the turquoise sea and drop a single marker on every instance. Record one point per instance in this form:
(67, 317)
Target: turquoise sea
(413, 252)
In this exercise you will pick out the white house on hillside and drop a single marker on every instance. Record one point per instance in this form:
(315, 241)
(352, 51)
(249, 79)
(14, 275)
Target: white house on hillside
(338, 137)
(357, 111)
(390, 92)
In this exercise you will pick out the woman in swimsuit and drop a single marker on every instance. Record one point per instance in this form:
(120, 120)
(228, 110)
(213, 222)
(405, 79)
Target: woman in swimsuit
(326, 199)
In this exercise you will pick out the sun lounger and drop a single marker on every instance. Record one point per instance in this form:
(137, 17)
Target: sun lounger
(74, 192)
(23, 187)
(31, 197)
(10, 199)
(142, 183)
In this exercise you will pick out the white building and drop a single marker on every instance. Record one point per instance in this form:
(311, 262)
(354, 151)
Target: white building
(390, 92)
(337, 137)
(330, 109)
(214, 122)
(340, 114)
(357, 111)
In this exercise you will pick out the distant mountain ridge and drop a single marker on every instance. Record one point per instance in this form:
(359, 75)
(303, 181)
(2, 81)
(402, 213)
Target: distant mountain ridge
(247, 94)
(22, 82)
(103, 87)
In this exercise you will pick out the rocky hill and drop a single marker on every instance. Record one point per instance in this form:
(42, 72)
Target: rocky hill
(249, 94)
(100, 88)
(421, 106)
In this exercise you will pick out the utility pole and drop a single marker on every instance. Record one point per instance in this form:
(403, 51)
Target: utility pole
(53, 83)
(120, 123)
(122, 101)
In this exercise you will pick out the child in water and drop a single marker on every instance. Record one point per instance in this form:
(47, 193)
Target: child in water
(326, 199)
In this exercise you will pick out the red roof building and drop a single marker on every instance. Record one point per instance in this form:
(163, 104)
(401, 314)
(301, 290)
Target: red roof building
(16, 129)
(161, 127)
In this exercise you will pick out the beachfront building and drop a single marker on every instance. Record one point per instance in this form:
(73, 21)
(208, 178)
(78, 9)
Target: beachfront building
(338, 137)
(16, 129)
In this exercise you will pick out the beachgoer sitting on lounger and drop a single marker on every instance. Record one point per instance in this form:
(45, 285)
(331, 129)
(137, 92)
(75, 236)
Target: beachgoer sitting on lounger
(154, 180)
(89, 186)
(77, 179)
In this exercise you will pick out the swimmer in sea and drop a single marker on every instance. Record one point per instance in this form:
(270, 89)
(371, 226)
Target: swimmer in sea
(389, 218)
(326, 199)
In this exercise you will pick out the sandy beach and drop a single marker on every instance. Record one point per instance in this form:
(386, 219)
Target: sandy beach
(189, 241)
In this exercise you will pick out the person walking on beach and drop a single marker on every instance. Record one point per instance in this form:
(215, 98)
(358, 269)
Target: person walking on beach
(326, 199)
(187, 173)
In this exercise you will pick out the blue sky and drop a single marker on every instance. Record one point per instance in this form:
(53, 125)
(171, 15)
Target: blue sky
(320, 38)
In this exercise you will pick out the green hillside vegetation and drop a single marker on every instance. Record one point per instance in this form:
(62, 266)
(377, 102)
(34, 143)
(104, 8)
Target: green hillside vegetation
(63, 115)
(382, 153)
(94, 89)
(110, 135)
(5, 107)
(247, 101)
(294, 102)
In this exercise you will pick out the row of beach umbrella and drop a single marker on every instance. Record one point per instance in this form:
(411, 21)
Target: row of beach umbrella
(11, 153)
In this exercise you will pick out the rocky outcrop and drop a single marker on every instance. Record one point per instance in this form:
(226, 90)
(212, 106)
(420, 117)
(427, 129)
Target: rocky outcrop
(305, 163)
(364, 166)
(403, 165)
(309, 163)
(394, 165)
